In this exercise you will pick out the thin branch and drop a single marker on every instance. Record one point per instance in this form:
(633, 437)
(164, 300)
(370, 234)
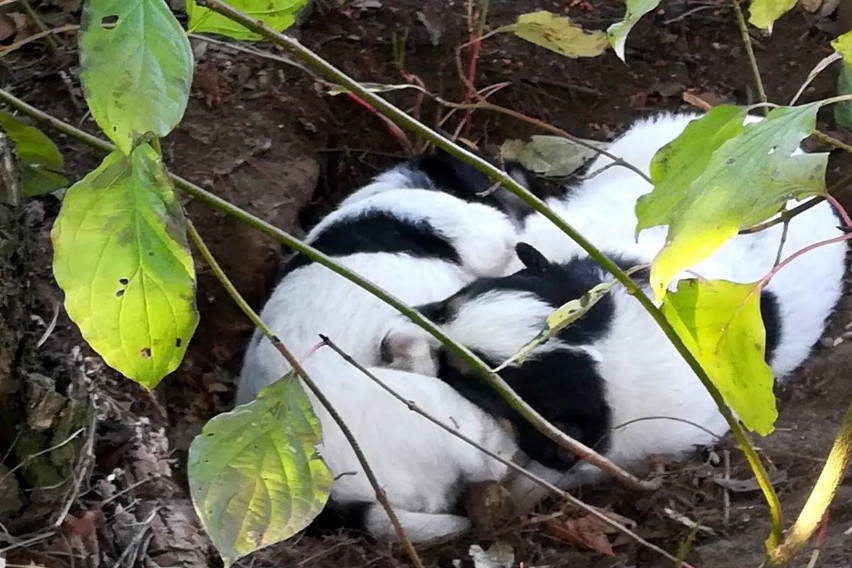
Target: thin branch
(486, 105)
(44, 32)
(741, 22)
(37, 36)
(381, 497)
(839, 144)
(412, 406)
(788, 214)
(40, 453)
(818, 68)
(293, 243)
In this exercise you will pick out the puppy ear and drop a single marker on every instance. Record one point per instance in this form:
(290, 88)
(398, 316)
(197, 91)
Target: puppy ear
(532, 258)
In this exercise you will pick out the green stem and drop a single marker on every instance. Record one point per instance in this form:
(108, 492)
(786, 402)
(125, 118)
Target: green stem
(593, 511)
(820, 498)
(291, 242)
(300, 371)
(788, 214)
(331, 73)
(741, 22)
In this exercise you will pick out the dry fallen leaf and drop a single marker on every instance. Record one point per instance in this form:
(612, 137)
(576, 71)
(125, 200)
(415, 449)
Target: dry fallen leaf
(13, 27)
(588, 531)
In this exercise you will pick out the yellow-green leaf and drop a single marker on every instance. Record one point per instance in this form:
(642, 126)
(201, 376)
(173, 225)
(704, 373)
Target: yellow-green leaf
(135, 67)
(720, 176)
(720, 324)
(277, 14)
(550, 156)
(558, 34)
(843, 110)
(843, 46)
(121, 257)
(254, 474)
(41, 161)
(763, 13)
(617, 32)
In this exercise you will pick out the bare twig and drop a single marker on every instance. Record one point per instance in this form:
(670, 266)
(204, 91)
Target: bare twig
(508, 463)
(87, 457)
(303, 375)
(293, 243)
(476, 29)
(761, 92)
(726, 494)
(818, 68)
(788, 214)
(37, 36)
(44, 32)
(40, 453)
(839, 144)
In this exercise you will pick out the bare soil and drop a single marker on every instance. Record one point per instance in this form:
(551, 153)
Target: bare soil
(263, 135)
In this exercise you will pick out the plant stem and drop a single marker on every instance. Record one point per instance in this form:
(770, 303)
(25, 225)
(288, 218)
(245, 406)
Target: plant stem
(820, 498)
(381, 497)
(840, 145)
(741, 22)
(788, 214)
(594, 511)
(48, 34)
(327, 70)
(293, 243)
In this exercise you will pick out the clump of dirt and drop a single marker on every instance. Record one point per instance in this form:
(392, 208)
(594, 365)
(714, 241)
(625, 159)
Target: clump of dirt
(263, 135)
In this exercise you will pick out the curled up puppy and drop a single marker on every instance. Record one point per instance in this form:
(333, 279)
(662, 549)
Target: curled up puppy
(420, 231)
(611, 380)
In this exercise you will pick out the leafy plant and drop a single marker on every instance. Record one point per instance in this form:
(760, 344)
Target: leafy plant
(41, 161)
(255, 473)
(721, 176)
(121, 253)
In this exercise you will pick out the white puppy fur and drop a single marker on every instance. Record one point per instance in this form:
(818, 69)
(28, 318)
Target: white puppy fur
(603, 210)
(421, 468)
(643, 374)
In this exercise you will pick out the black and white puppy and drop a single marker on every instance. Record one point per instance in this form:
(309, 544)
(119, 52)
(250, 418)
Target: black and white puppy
(420, 231)
(602, 209)
(610, 380)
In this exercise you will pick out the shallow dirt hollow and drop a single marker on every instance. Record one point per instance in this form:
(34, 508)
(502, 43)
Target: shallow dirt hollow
(261, 134)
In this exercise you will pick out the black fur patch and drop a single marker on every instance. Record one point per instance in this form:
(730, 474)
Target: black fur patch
(770, 313)
(378, 231)
(564, 387)
(337, 515)
(453, 176)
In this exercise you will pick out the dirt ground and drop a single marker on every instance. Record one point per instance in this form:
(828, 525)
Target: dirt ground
(262, 134)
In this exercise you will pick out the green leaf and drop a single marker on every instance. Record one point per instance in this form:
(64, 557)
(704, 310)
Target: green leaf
(558, 34)
(843, 110)
(136, 68)
(254, 474)
(617, 32)
(550, 156)
(277, 14)
(720, 176)
(720, 324)
(121, 257)
(40, 159)
(565, 315)
(763, 13)
(843, 46)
